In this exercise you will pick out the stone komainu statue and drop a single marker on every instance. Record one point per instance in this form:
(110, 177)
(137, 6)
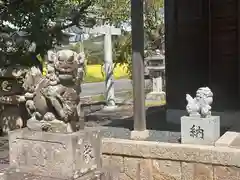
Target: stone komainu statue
(53, 102)
(200, 106)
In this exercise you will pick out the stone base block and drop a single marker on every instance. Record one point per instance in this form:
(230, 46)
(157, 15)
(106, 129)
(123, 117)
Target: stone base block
(156, 96)
(109, 108)
(98, 174)
(227, 139)
(55, 155)
(139, 135)
(196, 130)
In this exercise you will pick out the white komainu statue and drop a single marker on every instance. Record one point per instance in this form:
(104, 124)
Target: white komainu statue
(200, 106)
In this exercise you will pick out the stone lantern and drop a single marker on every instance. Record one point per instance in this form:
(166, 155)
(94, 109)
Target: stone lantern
(66, 38)
(12, 112)
(156, 69)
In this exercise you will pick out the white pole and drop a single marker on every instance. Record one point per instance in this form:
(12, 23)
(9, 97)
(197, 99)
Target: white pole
(108, 65)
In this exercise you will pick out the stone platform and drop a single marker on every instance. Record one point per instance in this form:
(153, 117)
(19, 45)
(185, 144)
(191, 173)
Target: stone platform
(98, 174)
(54, 156)
(148, 160)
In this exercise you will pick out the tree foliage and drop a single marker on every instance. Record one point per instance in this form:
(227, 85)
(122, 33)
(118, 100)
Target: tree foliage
(118, 11)
(154, 26)
(112, 12)
(123, 51)
(28, 23)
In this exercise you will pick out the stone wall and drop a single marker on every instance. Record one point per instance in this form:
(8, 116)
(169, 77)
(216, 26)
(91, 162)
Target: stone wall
(145, 160)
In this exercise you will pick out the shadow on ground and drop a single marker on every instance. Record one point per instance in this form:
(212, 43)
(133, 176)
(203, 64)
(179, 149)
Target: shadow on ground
(155, 119)
(120, 122)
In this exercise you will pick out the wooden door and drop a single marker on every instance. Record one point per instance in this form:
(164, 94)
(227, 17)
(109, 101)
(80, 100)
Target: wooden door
(224, 53)
(202, 49)
(186, 49)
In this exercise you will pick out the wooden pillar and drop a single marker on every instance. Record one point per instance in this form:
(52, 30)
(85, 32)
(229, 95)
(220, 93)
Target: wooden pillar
(238, 35)
(138, 66)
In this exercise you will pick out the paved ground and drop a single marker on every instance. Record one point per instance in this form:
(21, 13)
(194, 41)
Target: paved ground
(90, 89)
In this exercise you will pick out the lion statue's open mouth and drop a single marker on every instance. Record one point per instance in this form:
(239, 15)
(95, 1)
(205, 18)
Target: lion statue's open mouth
(65, 76)
(66, 63)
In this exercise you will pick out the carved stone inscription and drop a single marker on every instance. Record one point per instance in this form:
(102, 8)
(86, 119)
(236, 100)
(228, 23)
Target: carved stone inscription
(39, 157)
(9, 87)
(197, 132)
(6, 86)
(88, 154)
(85, 157)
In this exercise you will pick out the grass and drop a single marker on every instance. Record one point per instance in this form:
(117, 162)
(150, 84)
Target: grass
(94, 73)
(149, 104)
(98, 98)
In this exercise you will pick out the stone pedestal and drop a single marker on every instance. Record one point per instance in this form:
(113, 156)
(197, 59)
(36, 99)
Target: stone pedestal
(155, 96)
(197, 130)
(55, 155)
(139, 135)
